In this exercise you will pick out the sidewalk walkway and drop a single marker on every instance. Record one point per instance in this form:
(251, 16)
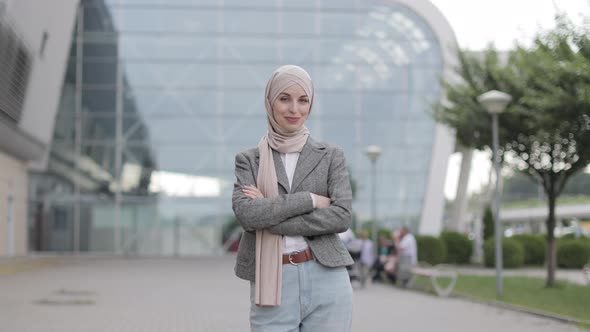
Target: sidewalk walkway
(201, 294)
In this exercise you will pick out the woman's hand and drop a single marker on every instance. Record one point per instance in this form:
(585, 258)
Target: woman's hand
(252, 192)
(321, 201)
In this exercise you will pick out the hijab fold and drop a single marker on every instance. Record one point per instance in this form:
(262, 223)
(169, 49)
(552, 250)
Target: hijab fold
(269, 247)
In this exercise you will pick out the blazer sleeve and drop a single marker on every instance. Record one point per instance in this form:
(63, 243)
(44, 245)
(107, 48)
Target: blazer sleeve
(260, 213)
(335, 219)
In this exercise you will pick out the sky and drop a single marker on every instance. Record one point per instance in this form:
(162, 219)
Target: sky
(477, 23)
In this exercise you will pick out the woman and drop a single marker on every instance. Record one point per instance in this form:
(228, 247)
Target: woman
(292, 196)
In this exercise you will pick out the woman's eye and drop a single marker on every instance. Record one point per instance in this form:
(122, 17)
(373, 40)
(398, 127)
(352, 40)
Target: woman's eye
(284, 99)
(304, 101)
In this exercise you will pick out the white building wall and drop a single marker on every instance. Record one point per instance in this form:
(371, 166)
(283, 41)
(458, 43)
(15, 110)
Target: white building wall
(30, 138)
(444, 140)
(13, 220)
(33, 19)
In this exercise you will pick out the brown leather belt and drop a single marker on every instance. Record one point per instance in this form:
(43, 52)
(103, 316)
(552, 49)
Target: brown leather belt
(297, 257)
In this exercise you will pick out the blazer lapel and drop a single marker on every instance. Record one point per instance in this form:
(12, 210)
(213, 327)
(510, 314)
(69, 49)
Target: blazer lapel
(279, 168)
(309, 158)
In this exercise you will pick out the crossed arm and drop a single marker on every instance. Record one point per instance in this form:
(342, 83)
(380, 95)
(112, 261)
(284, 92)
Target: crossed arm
(294, 214)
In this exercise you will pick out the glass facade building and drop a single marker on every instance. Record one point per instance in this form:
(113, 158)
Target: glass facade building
(159, 96)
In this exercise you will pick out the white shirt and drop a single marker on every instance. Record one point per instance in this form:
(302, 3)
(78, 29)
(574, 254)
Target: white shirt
(292, 243)
(409, 248)
(346, 236)
(367, 255)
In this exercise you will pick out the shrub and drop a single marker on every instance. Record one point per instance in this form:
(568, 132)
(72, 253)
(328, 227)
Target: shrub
(573, 254)
(535, 248)
(431, 249)
(488, 223)
(572, 236)
(512, 253)
(459, 247)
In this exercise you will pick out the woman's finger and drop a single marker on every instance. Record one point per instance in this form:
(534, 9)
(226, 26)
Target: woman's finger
(247, 190)
(255, 194)
(250, 195)
(252, 191)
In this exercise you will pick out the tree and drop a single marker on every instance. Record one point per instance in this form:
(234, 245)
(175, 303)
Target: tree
(545, 132)
(520, 185)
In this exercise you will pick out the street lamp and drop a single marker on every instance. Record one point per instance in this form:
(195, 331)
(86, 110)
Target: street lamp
(495, 103)
(373, 152)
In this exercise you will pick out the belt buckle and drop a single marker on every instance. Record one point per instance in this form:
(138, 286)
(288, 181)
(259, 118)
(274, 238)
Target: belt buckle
(291, 258)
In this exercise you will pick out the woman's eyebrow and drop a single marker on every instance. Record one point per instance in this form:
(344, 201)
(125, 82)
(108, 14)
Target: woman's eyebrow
(288, 95)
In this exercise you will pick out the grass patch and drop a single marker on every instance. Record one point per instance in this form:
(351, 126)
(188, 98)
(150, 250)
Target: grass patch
(565, 299)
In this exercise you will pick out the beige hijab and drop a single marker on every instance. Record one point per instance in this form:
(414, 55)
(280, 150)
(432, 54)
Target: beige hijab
(269, 247)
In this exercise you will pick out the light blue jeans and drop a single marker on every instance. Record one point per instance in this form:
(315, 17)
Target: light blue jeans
(314, 298)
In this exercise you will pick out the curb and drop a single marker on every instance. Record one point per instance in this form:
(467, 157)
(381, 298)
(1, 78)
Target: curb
(536, 312)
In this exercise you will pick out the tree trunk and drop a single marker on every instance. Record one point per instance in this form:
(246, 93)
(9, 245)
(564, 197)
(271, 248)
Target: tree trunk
(551, 248)
(460, 205)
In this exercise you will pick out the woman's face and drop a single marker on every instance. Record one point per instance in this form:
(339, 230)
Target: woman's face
(291, 108)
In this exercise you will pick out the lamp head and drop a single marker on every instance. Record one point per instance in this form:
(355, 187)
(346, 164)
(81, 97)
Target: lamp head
(494, 101)
(373, 152)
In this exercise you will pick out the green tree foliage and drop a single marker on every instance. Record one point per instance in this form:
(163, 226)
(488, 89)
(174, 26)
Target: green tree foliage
(381, 231)
(545, 131)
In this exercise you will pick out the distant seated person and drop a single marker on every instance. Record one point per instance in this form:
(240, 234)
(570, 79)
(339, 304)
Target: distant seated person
(407, 249)
(346, 236)
(385, 264)
(351, 243)
(367, 256)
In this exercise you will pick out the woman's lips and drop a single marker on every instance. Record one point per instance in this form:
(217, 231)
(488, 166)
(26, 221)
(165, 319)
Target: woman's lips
(292, 120)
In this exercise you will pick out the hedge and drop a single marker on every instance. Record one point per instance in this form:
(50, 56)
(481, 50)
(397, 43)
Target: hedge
(535, 248)
(459, 247)
(573, 253)
(431, 249)
(512, 253)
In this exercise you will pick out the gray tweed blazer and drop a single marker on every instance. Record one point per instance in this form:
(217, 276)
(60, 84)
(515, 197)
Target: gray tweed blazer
(321, 169)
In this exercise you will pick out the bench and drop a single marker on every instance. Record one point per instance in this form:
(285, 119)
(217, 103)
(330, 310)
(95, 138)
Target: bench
(435, 273)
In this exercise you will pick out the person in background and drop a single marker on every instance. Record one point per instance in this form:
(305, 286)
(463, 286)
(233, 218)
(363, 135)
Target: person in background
(387, 258)
(405, 243)
(367, 256)
(347, 236)
(353, 245)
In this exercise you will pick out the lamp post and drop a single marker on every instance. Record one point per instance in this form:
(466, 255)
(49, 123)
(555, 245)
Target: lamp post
(373, 152)
(495, 103)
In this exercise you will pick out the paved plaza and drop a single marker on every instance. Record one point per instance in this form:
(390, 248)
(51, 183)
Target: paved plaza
(105, 294)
